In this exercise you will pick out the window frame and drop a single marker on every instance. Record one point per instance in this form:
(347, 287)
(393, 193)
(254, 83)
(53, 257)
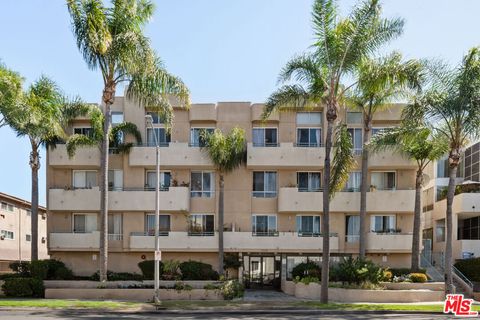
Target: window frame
(161, 232)
(5, 232)
(301, 233)
(264, 143)
(384, 230)
(85, 171)
(309, 144)
(198, 144)
(203, 232)
(268, 233)
(84, 214)
(263, 193)
(162, 174)
(203, 193)
(385, 171)
(309, 173)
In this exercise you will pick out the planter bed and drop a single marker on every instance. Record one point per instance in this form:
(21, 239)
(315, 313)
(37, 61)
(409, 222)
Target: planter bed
(86, 284)
(434, 286)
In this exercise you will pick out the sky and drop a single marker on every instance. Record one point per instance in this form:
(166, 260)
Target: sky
(224, 50)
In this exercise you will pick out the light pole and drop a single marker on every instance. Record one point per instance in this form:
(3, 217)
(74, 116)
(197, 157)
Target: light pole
(156, 295)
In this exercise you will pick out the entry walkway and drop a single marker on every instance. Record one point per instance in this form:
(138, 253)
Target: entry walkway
(267, 295)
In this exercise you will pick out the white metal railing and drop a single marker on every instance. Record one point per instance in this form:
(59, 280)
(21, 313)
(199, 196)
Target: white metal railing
(115, 236)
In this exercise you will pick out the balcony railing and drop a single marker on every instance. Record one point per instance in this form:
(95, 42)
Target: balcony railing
(149, 234)
(308, 145)
(201, 233)
(265, 234)
(315, 234)
(265, 144)
(264, 194)
(115, 236)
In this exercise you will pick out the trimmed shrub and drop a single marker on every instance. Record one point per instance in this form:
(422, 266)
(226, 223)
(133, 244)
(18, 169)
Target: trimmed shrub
(48, 269)
(118, 276)
(171, 270)
(231, 261)
(232, 289)
(398, 272)
(21, 267)
(358, 271)
(470, 268)
(23, 287)
(148, 269)
(418, 277)
(39, 269)
(306, 269)
(196, 270)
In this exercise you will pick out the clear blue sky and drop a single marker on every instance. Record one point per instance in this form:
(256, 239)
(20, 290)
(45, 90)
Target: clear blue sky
(225, 50)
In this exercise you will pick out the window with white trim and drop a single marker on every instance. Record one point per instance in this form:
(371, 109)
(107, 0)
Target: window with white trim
(84, 222)
(354, 117)
(309, 181)
(202, 184)
(163, 136)
(356, 134)
(264, 225)
(264, 184)
(197, 136)
(201, 225)
(165, 178)
(354, 181)
(86, 131)
(7, 207)
(383, 180)
(84, 179)
(352, 228)
(265, 137)
(383, 224)
(308, 226)
(6, 234)
(164, 224)
(115, 179)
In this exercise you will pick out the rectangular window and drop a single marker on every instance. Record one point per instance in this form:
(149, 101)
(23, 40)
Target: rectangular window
(202, 184)
(164, 224)
(115, 230)
(117, 118)
(308, 226)
(157, 118)
(308, 181)
(28, 237)
(440, 230)
(356, 134)
(264, 184)
(309, 118)
(84, 179)
(84, 223)
(86, 131)
(7, 234)
(469, 229)
(201, 225)
(165, 178)
(264, 225)
(7, 207)
(354, 117)
(197, 136)
(162, 135)
(354, 181)
(383, 180)
(264, 137)
(115, 180)
(309, 137)
(352, 228)
(378, 130)
(383, 224)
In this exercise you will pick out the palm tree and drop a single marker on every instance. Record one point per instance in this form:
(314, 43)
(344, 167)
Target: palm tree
(340, 44)
(379, 81)
(227, 153)
(451, 106)
(112, 39)
(37, 114)
(421, 144)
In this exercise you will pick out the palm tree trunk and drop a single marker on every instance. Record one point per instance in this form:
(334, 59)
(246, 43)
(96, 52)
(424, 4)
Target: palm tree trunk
(331, 116)
(415, 265)
(363, 190)
(220, 226)
(449, 226)
(35, 166)
(108, 99)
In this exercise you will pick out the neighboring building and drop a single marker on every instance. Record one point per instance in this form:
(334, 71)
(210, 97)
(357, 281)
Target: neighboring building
(16, 233)
(273, 205)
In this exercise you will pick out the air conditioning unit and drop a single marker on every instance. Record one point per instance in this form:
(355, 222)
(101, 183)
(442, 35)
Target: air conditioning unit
(2, 237)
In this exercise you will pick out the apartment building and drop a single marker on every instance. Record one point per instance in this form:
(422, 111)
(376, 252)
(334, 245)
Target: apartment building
(273, 204)
(16, 231)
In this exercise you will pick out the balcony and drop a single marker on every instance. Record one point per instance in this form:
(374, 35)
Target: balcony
(176, 154)
(285, 156)
(292, 200)
(397, 242)
(388, 160)
(74, 241)
(470, 246)
(175, 241)
(85, 156)
(173, 199)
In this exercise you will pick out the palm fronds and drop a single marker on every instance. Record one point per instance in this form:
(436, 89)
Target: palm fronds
(343, 159)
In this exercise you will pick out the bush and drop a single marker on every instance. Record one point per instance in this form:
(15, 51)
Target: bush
(49, 269)
(231, 261)
(23, 287)
(398, 272)
(118, 276)
(232, 289)
(418, 277)
(22, 268)
(179, 286)
(470, 268)
(387, 276)
(358, 271)
(196, 270)
(58, 271)
(171, 270)
(306, 269)
(39, 269)
(148, 269)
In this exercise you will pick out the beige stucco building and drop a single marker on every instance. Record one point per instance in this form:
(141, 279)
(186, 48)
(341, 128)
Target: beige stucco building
(16, 231)
(273, 204)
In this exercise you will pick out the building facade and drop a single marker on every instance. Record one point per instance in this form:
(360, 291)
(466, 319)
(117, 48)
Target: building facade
(16, 231)
(273, 204)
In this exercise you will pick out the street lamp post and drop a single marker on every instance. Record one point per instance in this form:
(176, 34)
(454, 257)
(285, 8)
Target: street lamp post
(156, 296)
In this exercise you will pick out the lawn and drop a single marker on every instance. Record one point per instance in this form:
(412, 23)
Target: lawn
(65, 304)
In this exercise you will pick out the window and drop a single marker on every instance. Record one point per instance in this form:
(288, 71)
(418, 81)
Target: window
(201, 225)
(308, 226)
(7, 207)
(383, 224)
(84, 223)
(264, 184)
(115, 231)
(469, 229)
(383, 180)
(7, 234)
(309, 118)
(354, 181)
(29, 212)
(440, 230)
(264, 225)
(165, 178)
(354, 117)
(352, 226)
(202, 184)
(378, 130)
(162, 135)
(356, 134)
(117, 118)
(308, 181)
(264, 137)
(164, 224)
(115, 180)
(86, 131)
(84, 179)
(442, 167)
(28, 237)
(156, 117)
(309, 137)
(197, 136)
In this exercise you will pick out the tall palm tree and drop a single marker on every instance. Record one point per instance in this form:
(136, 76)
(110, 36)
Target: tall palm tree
(227, 153)
(451, 106)
(340, 44)
(378, 83)
(421, 144)
(112, 40)
(37, 114)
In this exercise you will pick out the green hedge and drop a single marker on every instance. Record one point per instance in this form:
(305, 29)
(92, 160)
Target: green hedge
(398, 272)
(196, 270)
(148, 269)
(357, 271)
(470, 268)
(307, 269)
(23, 287)
(49, 269)
(118, 276)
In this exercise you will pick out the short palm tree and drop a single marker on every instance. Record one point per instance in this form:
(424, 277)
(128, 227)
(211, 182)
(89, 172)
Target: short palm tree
(421, 144)
(379, 82)
(339, 47)
(112, 40)
(450, 105)
(227, 153)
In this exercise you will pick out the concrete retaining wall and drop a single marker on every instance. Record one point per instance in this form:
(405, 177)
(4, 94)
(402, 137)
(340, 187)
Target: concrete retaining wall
(434, 286)
(85, 284)
(307, 291)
